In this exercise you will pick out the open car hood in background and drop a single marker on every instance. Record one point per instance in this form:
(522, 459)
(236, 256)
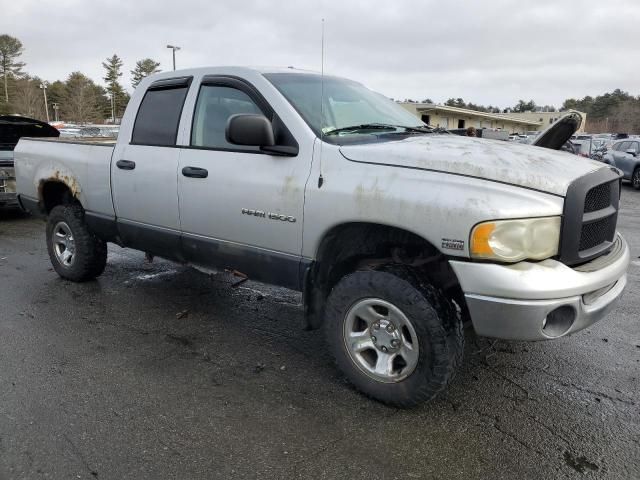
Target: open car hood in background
(560, 132)
(13, 127)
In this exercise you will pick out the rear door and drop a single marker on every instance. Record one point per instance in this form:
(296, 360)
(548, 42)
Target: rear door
(144, 172)
(240, 207)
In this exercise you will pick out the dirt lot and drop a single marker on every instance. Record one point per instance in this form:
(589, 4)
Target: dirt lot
(157, 371)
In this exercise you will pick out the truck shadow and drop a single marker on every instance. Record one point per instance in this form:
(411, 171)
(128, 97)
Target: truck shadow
(10, 213)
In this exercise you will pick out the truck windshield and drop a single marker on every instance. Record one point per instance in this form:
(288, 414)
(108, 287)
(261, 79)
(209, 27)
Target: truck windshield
(348, 107)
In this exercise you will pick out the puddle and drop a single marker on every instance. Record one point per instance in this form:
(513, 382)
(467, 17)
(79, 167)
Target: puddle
(153, 276)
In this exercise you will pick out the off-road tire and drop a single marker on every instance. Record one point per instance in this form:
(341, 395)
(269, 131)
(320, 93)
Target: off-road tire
(434, 318)
(90, 252)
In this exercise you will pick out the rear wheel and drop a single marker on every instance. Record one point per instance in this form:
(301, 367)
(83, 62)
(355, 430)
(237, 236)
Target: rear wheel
(76, 254)
(635, 178)
(396, 339)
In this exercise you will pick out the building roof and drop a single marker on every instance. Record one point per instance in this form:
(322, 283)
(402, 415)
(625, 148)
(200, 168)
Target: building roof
(430, 107)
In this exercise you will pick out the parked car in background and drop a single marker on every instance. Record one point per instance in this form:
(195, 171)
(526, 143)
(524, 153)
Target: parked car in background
(12, 128)
(625, 155)
(486, 133)
(588, 147)
(569, 147)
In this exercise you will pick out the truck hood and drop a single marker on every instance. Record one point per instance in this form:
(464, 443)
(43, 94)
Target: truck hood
(542, 169)
(560, 132)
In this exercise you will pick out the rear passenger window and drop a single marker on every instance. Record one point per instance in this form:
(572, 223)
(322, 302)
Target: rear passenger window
(214, 107)
(159, 116)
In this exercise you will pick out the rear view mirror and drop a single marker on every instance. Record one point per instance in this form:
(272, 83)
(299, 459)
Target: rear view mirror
(250, 129)
(632, 152)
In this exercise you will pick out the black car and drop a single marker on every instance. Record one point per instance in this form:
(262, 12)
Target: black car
(12, 128)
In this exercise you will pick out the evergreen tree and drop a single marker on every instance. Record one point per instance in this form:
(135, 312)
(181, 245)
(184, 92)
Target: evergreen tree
(119, 98)
(144, 68)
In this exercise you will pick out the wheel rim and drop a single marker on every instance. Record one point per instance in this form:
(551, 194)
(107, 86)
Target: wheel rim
(64, 246)
(636, 178)
(381, 340)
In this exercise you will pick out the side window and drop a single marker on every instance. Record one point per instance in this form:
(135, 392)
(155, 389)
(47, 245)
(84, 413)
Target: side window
(623, 146)
(634, 146)
(158, 116)
(214, 107)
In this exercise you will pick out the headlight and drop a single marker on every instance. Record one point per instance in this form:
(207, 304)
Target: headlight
(515, 240)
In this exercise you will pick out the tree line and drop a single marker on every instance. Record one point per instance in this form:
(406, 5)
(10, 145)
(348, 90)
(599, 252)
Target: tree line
(78, 98)
(617, 111)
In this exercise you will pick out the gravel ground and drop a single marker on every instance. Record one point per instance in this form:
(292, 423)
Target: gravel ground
(157, 371)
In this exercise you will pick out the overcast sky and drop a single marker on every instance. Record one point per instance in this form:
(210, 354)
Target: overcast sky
(489, 51)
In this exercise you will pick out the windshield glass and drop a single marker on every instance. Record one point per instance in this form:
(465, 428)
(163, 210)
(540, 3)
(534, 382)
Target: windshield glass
(346, 103)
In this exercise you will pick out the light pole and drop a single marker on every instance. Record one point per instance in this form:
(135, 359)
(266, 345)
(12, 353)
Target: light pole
(44, 86)
(56, 107)
(173, 48)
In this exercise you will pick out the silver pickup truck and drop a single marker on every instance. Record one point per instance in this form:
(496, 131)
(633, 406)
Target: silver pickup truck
(396, 233)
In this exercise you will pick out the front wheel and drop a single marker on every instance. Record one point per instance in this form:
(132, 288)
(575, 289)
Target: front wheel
(76, 253)
(396, 339)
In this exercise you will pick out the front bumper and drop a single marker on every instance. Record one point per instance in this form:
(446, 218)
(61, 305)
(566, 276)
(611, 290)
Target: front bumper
(540, 301)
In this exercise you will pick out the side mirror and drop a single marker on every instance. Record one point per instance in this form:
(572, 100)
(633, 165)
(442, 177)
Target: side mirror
(632, 152)
(250, 129)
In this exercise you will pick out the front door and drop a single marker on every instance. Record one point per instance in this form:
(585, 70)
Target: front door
(627, 161)
(240, 208)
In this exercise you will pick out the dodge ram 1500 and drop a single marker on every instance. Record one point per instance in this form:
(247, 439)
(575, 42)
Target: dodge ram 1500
(395, 232)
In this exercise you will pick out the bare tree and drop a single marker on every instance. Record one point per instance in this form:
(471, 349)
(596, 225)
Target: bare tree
(83, 101)
(10, 50)
(27, 98)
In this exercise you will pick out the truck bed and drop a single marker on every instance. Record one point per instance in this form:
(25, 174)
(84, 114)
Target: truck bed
(82, 164)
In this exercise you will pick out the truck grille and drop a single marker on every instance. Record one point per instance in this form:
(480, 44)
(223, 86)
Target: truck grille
(596, 233)
(590, 216)
(598, 198)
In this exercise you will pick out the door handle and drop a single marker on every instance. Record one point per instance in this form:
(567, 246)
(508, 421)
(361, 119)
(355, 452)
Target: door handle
(125, 164)
(195, 172)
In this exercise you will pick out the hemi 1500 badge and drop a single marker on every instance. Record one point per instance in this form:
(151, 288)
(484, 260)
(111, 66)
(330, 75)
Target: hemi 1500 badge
(270, 215)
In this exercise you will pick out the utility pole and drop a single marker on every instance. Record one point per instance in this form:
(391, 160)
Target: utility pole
(173, 49)
(44, 86)
(56, 107)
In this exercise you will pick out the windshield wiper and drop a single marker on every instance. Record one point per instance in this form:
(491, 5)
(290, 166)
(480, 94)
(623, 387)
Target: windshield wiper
(364, 126)
(382, 126)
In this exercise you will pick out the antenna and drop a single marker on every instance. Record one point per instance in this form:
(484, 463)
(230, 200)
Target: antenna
(320, 179)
